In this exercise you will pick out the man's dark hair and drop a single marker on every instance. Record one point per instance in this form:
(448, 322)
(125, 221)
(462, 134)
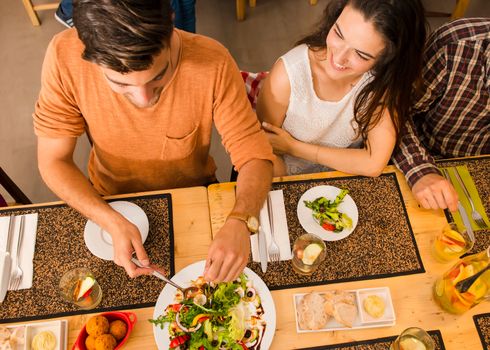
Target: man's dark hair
(123, 35)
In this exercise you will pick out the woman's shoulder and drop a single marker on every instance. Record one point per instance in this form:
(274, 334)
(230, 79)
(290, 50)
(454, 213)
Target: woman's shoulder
(296, 54)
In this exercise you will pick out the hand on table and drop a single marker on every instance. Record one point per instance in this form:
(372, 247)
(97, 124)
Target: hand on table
(126, 239)
(228, 253)
(279, 138)
(433, 191)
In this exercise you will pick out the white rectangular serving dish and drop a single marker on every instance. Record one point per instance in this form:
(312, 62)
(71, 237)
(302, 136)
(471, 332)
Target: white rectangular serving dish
(59, 329)
(363, 320)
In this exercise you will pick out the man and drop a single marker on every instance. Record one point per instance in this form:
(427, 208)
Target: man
(452, 114)
(147, 95)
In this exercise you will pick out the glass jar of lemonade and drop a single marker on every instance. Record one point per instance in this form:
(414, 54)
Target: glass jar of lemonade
(445, 292)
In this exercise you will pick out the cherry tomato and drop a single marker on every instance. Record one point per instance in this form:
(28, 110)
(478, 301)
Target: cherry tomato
(175, 307)
(181, 339)
(328, 226)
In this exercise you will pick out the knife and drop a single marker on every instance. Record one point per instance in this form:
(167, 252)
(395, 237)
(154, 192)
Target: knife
(5, 261)
(262, 250)
(466, 221)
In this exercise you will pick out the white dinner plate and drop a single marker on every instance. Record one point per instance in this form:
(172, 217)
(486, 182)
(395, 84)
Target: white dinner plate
(192, 272)
(99, 242)
(309, 224)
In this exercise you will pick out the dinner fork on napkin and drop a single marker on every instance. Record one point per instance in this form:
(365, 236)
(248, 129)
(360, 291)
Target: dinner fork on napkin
(281, 232)
(26, 249)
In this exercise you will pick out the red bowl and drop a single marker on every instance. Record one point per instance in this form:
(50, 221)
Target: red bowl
(127, 317)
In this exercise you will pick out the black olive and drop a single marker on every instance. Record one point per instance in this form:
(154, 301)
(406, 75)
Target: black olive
(248, 334)
(250, 294)
(214, 343)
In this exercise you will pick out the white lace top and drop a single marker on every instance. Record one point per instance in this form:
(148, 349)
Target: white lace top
(312, 120)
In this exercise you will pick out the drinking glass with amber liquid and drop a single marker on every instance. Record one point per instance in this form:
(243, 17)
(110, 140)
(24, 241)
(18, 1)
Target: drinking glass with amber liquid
(451, 243)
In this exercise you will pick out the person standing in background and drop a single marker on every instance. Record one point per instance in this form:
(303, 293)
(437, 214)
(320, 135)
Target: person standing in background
(185, 14)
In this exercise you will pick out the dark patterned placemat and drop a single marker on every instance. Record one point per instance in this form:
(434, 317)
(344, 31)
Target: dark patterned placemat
(382, 244)
(377, 344)
(482, 323)
(479, 169)
(60, 247)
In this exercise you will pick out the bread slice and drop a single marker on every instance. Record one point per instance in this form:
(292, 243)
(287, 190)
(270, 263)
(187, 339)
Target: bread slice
(345, 313)
(310, 312)
(333, 297)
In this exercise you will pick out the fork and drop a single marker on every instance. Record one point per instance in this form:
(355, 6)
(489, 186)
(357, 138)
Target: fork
(273, 247)
(17, 273)
(474, 213)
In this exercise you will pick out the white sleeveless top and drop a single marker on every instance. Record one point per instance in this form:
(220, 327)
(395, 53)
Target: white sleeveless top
(312, 120)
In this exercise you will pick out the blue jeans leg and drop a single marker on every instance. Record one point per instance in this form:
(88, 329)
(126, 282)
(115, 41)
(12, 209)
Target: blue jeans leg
(67, 8)
(185, 14)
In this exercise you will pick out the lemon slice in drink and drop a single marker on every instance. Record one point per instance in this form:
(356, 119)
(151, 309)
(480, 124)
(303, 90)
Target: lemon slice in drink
(439, 287)
(311, 252)
(410, 343)
(455, 235)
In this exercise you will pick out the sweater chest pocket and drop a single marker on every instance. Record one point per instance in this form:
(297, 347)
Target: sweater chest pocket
(180, 147)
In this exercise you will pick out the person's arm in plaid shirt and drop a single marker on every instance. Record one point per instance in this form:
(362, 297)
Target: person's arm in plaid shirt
(429, 188)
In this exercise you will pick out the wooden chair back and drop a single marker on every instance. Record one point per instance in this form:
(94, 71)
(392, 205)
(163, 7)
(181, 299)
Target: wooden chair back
(12, 189)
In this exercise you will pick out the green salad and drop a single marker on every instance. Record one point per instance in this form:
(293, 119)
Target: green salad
(227, 315)
(326, 213)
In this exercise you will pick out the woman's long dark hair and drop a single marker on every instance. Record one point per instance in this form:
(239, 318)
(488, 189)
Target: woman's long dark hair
(403, 26)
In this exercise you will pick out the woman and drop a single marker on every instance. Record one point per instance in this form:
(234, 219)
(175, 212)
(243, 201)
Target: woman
(339, 98)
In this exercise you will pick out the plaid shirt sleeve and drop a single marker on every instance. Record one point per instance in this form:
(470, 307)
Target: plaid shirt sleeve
(411, 157)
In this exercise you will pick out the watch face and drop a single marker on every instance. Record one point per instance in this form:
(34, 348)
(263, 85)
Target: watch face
(253, 223)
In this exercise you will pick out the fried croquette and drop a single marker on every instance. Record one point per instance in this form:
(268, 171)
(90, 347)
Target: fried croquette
(105, 342)
(118, 329)
(90, 342)
(97, 325)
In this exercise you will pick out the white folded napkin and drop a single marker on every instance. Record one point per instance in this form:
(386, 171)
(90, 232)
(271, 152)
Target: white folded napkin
(26, 254)
(281, 232)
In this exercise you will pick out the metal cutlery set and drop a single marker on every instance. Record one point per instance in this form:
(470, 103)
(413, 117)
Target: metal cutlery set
(273, 250)
(10, 271)
(475, 215)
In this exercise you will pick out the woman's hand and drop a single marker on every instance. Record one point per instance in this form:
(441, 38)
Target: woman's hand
(281, 141)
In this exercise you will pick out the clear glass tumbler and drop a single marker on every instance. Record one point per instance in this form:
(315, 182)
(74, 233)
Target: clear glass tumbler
(451, 243)
(79, 287)
(308, 253)
(413, 338)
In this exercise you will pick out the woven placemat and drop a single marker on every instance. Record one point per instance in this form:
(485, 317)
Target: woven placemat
(377, 344)
(479, 171)
(482, 323)
(382, 245)
(60, 247)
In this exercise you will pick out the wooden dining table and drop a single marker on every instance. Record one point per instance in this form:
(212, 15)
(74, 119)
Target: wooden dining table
(411, 294)
(192, 236)
(199, 212)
